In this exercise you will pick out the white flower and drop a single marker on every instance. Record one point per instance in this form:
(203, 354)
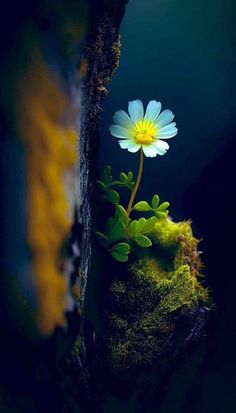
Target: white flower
(147, 131)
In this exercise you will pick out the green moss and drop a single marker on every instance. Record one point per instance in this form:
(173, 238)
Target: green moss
(176, 241)
(179, 291)
(118, 322)
(151, 298)
(139, 342)
(168, 233)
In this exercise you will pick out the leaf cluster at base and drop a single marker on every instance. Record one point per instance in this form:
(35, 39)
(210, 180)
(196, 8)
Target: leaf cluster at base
(122, 234)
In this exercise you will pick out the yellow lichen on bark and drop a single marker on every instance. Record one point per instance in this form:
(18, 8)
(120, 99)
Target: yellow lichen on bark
(51, 149)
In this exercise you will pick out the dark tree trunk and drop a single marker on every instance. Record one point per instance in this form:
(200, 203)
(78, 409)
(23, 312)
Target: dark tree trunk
(102, 54)
(39, 375)
(102, 59)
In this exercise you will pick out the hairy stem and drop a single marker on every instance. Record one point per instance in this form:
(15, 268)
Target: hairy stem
(137, 183)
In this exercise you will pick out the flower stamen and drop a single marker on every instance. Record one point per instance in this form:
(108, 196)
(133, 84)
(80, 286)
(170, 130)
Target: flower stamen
(146, 132)
(144, 138)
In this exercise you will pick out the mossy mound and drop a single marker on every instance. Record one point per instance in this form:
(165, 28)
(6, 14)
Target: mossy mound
(150, 304)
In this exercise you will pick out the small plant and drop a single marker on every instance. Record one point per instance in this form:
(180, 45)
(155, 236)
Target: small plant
(137, 132)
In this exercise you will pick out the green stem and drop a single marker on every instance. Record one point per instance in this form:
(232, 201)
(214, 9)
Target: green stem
(136, 186)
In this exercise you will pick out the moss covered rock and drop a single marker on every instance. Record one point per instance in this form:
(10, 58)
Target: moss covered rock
(149, 305)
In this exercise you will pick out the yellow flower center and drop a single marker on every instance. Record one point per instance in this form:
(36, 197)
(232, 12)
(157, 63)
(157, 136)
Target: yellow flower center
(144, 138)
(145, 132)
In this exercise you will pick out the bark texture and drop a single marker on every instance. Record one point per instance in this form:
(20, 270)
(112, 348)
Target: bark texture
(102, 59)
(39, 376)
(102, 54)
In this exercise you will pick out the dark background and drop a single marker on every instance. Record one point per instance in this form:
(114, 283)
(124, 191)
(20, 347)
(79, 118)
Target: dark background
(183, 54)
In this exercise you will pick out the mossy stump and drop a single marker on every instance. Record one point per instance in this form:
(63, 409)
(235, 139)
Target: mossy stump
(151, 303)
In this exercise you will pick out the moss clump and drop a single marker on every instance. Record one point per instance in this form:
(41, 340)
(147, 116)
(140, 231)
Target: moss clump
(148, 302)
(176, 241)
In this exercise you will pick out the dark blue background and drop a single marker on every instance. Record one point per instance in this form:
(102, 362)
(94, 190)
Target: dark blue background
(180, 53)
(183, 53)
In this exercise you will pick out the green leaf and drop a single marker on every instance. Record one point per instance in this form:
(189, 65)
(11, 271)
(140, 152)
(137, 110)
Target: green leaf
(155, 201)
(160, 214)
(117, 183)
(121, 213)
(120, 251)
(130, 177)
(101, 185)
(117, 230)
(121, 247)
(122, 184)
(108, 169)
(113, 196)
(149, 225)
(106, 175)
(101, 235)
(143, 241)
(123, 177)
(163, 206)
(120, 257)
(132, 228)
(142, 206)
(140, 224)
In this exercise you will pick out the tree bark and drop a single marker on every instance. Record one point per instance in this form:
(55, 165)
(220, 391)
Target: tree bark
(40, 50)
(102, 59)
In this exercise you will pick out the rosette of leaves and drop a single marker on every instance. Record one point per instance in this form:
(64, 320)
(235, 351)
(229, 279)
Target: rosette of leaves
(106, 185)
(122, 234)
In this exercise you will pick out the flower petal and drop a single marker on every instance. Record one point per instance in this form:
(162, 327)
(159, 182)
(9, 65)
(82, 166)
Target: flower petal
(119, 132)
(150, 150)
(159, 144)
(164, 118)
(136, 110)
(161, 151)
(134, 148)
(122, 118)
(153, 110)
(168, 131)
(126, 143)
